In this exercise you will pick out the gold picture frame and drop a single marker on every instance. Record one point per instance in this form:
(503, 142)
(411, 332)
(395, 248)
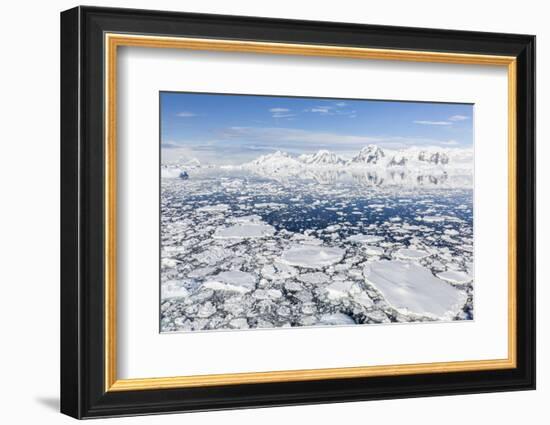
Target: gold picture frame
(114, 41)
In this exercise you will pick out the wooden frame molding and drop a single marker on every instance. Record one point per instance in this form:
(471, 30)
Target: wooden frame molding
(114, 40)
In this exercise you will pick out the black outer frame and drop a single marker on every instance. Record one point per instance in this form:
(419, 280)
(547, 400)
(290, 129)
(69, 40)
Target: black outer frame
(82, 219)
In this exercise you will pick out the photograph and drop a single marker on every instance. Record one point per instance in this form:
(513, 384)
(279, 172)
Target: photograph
(280, 211)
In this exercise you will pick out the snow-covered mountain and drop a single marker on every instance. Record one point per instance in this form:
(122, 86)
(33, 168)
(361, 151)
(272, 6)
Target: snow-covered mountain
(323, 157)
(274, 162)
(433, 158)
(373, 166)
(370, 154)
(370, 157)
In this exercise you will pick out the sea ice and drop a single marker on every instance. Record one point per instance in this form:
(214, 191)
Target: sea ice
(314, 278)
(232, 281)
(365, 238)
(455, 277)
(336, 319)
(373, 250)
(411, 288)
(247, 219)
(341, 289)
(433, 219)
(312, 256)
(213, 208)
(245, 231)
(174, 289)
(412, 254)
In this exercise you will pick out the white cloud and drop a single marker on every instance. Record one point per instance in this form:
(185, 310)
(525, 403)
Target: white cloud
(281, 113)
(278, 110)
(320, 109)
(186, 114)
(458, 118)
(331, 110)
(449, 143)
(433, 122)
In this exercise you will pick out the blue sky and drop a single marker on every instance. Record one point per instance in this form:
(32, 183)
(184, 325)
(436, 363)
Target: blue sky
(243, 126)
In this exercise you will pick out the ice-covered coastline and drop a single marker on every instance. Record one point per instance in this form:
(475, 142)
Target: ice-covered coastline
(244, 250)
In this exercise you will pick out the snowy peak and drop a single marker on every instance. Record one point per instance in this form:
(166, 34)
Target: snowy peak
(323, 157)
(274, 160)
(370, 154)
(433, 158)
(370, 157)
(398, 161)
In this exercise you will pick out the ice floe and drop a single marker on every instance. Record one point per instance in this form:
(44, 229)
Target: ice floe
(245, 230)
(213, 208)
(412, 288)
(312, 256)
(456, 277)
(174, 289)
(365, 238)
(412, 254)
(233, 281)
(336, 319)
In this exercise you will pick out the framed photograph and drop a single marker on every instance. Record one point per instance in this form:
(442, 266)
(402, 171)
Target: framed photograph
(261, 212)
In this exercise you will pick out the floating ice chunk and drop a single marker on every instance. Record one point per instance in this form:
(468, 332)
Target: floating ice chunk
(373, 250)
(264, 294)
(365, 238)
(312, 256)
(304, 239)
(212, 255)
(206, 310)
(293, 286)
(347, 289)
(253, 218)
(433, 219)
(411, 288)
(173, 289)
(239, 323)
(315, 278)
(169, 262)
(412, 254)
(232, 281)
(449, 239)
(338, 290)
(336, 319)
(284, 271)
(451, 232)
(245, 231)
(200, 272)
(457, 277)
(268, 205)
(213, 208)
(269, 272)
(378, 316)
